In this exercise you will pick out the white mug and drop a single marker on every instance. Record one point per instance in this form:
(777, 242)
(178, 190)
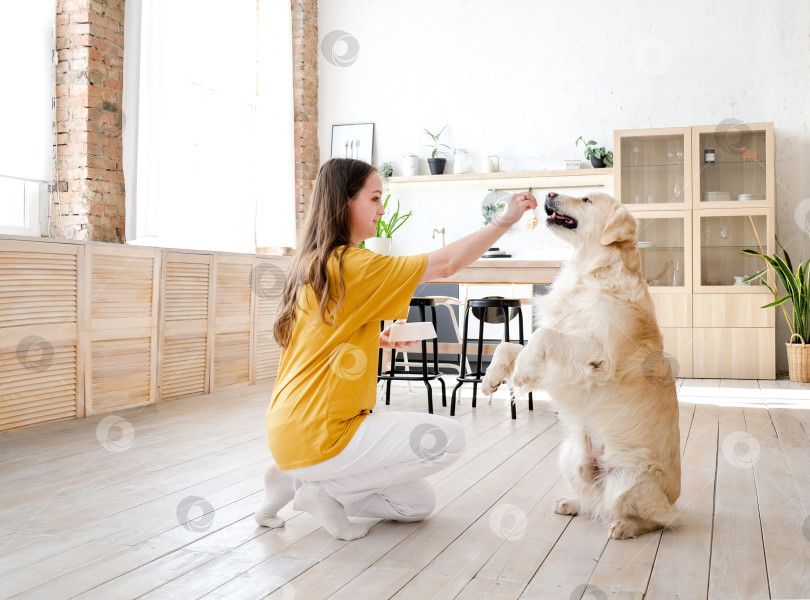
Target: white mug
(487, 166)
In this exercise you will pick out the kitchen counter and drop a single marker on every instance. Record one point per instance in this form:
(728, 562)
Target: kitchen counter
(507, 270)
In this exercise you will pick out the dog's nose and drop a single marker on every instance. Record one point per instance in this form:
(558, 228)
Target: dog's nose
(551, 195)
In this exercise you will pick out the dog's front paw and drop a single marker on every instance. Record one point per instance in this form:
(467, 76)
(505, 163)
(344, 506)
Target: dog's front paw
(490, 383)
(566, 506)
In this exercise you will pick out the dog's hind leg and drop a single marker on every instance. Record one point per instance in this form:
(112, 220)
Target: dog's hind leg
(576, 469)
(641, 509)
(501, 367)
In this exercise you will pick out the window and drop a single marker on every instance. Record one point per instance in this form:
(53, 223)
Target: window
(20, 206)
(26, 138)
(208, 162)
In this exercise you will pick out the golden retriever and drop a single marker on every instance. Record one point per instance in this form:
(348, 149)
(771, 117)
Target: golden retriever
(598, 352)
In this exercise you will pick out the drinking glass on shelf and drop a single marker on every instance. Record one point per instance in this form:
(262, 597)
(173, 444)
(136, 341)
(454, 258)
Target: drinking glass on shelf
(724, 235)
(650, 199)
(636, 149)
(670, 156)
(676, 192)
(679, 156)
(676, 272)
(707, 235)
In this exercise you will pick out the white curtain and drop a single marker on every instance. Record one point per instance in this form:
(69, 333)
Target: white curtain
(198, 164)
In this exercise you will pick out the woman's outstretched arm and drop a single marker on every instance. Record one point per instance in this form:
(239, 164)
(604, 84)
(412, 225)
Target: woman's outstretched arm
(455, 256)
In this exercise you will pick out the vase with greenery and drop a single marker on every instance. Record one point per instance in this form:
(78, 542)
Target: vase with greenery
(381, 244)
(795, 284)
(598, 156)
(436, 162)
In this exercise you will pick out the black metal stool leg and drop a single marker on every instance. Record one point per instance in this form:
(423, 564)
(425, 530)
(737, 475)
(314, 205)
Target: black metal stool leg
(463, 370)
(453, 399)
(391, 372)
(479, 372)
(436, 354)
(522, 342)
(425, 379)
(507, 339)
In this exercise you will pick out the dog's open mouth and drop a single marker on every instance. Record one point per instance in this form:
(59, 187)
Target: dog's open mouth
(558, 219)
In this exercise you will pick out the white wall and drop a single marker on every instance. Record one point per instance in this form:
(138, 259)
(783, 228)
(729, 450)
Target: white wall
(523, 79)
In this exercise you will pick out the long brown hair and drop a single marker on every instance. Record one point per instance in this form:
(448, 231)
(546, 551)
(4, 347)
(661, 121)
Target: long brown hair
(325, 229)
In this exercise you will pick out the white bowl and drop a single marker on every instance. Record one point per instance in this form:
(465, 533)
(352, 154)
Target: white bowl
(750, 197)
(645, 244)
(716, 196)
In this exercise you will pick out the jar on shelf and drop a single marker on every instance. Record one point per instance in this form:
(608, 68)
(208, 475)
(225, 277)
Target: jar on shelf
(459, 161)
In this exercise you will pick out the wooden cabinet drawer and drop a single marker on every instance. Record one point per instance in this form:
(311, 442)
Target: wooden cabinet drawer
(673, 310)
(678, 344)
(732, 310)
(733, 353)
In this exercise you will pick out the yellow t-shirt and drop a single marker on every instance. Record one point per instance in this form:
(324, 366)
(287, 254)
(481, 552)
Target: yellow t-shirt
(327, 376)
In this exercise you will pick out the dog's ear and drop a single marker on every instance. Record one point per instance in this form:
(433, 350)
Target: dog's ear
(621, 227)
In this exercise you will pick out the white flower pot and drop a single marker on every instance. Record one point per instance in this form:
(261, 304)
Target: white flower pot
(410, 166)
(379, 245)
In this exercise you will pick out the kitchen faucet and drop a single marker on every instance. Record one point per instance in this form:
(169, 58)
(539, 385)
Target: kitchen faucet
(435, 231)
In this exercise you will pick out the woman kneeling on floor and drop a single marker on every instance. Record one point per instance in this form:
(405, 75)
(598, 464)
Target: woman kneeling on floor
(330, 454)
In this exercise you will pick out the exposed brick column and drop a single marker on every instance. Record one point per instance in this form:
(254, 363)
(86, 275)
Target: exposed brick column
(88, 150)
(305, 97)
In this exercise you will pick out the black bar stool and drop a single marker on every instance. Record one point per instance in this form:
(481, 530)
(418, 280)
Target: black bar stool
(487, 310)
(426, 374)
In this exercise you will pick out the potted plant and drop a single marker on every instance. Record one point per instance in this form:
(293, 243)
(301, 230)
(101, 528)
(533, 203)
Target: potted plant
(599, 157)
(436, 162)
(386, 170)
(795, 284)
(381, 244)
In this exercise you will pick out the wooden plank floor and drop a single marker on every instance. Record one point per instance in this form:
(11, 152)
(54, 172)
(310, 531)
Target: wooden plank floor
(157, 502)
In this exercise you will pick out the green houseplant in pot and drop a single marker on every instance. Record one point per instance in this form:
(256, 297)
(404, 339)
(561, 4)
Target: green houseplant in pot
(599, 157)
(795, 284)
(436, 162)
(381, 244)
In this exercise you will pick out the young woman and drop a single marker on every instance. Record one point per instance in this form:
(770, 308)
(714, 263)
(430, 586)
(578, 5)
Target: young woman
(331, 455)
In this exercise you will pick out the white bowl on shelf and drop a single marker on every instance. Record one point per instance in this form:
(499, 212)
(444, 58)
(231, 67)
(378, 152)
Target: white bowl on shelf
(716, 196)
(643, 245)
(750, 197)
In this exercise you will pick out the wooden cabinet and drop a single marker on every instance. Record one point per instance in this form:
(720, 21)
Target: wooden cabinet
(701, 195)
(89, 328)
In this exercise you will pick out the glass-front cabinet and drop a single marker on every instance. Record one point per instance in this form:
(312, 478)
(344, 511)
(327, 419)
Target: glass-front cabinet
(724, 234)
(663, 241)
(702, 195)
(652, 167)
(731, 165)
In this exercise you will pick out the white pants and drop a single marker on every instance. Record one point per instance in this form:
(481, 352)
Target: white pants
(382, 470)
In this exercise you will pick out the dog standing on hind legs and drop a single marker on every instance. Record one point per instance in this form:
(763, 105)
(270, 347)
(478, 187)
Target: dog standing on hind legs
(598, 352)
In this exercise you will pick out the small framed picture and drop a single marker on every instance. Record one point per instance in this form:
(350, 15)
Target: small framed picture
(353, 141)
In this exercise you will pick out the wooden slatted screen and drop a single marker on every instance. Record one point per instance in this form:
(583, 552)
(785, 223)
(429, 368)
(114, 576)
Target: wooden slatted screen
(39, 299)
(91, 328)
(232, 321)
(123, 291)
(185, 305)
(267, 280)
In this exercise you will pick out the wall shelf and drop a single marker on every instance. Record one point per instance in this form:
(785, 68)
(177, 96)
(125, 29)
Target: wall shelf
(585, 174)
